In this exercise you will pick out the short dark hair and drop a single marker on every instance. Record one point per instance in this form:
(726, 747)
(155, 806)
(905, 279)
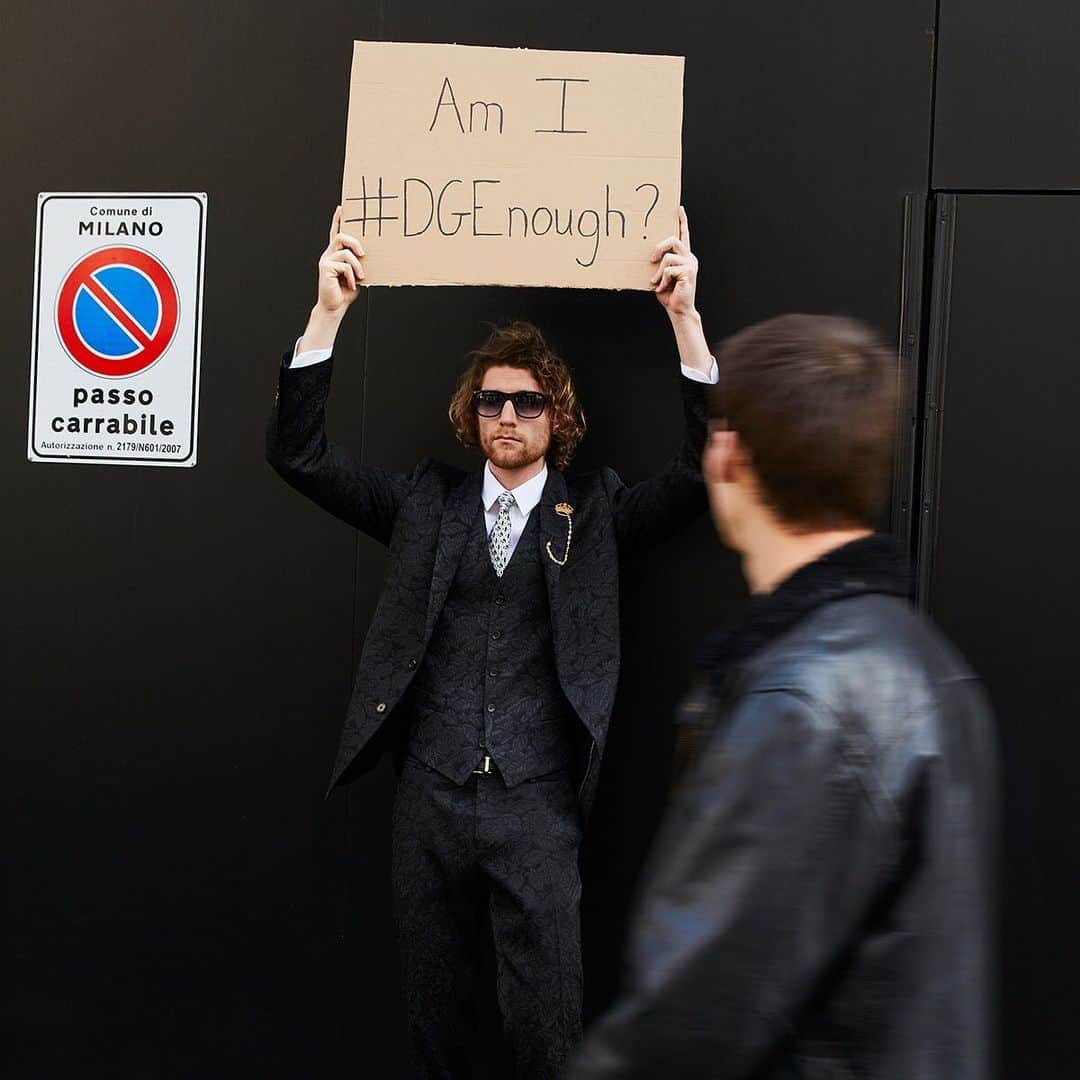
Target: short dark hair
(813, 398)
(521, 345)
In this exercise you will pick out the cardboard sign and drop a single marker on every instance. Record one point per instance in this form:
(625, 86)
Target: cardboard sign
(479, 166)
(114, 376)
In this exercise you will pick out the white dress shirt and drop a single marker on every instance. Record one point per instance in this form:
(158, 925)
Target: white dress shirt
(526, 497)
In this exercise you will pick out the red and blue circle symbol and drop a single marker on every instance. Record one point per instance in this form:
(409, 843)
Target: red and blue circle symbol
(117, 311)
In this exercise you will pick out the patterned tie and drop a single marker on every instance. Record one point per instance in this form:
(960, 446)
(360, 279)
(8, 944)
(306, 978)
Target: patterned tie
(499, 546)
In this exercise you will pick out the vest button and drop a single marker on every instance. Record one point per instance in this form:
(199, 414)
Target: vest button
(381, 707)
(493, 673)
(495, 635)
(412, 664)
(498, 600)
(491, 708)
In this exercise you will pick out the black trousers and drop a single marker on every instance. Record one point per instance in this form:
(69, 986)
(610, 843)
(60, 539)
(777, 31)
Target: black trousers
(477, 860)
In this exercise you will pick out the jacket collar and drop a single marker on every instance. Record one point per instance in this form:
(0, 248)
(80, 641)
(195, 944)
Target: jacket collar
(870, 565)
(462, 506)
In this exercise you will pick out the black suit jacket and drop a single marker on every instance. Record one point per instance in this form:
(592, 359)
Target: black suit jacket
(424, 516)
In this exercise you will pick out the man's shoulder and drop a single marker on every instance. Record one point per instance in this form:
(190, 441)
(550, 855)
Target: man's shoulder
(431, 474)
(592, 483)
(872, 663)
(430, 489)
(876, 629)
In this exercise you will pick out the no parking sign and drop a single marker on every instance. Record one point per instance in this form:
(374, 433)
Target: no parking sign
(117, 321)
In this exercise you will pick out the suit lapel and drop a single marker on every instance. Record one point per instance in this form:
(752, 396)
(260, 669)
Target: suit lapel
(462, 506)
(552, 530)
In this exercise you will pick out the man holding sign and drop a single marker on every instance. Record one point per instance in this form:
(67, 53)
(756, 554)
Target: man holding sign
(491, 663)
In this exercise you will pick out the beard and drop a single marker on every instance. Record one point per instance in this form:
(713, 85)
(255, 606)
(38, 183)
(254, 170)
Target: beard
(512, 455)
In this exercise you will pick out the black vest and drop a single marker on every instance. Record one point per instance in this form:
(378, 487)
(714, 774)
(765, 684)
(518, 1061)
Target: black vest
(488, 683)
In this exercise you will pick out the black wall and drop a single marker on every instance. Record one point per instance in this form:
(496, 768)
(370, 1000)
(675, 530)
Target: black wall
(999, 521)
(1008, 96)
(1002, 576)
(179, 644)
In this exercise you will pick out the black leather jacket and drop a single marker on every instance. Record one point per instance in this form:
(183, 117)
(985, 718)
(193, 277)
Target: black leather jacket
(819, 899)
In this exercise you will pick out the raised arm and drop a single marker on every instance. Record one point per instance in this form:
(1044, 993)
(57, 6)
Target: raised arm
(675, 285)
(648, 512)
(365, 496)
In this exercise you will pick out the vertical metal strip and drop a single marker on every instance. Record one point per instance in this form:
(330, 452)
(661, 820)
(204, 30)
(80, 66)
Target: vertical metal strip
(933, 413)
(911, 308)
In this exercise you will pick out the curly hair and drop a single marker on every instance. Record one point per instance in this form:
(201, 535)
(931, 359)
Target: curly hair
(521, 345)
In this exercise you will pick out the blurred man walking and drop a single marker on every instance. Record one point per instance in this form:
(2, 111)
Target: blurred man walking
(818, 904)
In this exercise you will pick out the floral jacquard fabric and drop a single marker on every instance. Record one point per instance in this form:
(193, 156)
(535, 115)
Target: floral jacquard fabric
(483, 859)
(488, 686)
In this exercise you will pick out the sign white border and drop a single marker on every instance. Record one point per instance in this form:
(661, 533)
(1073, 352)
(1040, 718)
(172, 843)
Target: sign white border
(189, 461)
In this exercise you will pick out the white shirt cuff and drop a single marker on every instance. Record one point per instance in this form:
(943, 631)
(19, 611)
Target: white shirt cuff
(691, 373)
(312, 356)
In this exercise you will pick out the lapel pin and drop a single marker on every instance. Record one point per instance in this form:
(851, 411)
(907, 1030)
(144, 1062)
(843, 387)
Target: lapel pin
(567, 511)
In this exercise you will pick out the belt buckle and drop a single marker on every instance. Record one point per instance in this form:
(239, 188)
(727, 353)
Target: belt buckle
(485, 769)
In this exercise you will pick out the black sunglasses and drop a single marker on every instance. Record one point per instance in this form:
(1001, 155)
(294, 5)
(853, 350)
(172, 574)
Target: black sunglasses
(528, 404)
